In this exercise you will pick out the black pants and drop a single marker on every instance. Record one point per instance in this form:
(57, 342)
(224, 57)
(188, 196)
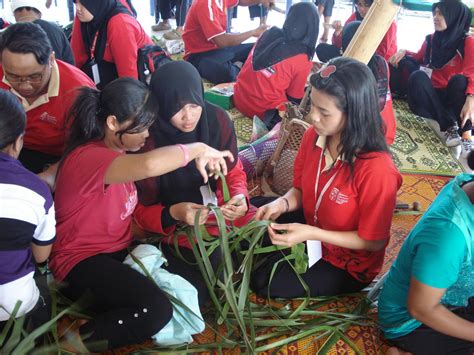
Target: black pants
(217, 65)
(426, 341)
(444, 105)
(165, 9)
(323, 279)
(258, 11)
(36, 161)
(399, 76)
(129, 307)
(326, 52)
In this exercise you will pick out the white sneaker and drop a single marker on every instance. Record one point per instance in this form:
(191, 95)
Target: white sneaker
(467, 146)
(452, 137)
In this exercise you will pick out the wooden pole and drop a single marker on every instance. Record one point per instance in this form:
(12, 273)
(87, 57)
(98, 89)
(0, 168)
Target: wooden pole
(372, 30)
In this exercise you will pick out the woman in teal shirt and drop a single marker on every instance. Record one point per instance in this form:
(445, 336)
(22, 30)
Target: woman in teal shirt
(427, 303)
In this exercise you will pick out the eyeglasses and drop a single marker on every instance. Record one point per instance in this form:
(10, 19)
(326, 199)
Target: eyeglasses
(32, 79)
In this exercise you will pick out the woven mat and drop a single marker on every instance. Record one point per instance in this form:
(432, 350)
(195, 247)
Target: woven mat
(417, 148)
(415, 188)
(243, 127)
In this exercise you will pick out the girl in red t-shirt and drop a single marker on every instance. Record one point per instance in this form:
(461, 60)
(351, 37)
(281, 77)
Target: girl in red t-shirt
(95, 199)
(439, 78)
(278, 66)
(106, 38)
(345, 183)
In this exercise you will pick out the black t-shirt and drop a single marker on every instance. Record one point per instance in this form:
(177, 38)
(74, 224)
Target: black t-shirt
(58, 39)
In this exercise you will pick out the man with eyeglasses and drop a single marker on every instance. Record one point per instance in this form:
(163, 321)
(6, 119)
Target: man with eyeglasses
(46, 88)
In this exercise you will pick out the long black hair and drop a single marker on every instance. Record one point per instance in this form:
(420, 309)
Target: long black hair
(127, 99)
(12, 118)
(353, 85)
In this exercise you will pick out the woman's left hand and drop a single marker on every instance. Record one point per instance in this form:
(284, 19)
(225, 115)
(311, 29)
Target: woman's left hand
(290, 234)
(467, 111)
(235, 208)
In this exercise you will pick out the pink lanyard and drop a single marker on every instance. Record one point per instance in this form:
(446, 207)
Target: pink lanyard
(325, 188)
(94, 44)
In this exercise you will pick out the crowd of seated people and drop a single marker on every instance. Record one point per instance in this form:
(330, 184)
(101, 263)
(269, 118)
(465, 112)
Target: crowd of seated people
(79, 132)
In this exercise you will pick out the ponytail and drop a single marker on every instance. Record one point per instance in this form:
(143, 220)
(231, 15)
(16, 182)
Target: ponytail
(127, 99)
(86, 117)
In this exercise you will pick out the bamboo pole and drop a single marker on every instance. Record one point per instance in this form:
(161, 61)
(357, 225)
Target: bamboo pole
(372, 30)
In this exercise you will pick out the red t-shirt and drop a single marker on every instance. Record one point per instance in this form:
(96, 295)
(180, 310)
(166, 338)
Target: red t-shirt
(258, 91)
(386, 48)
(362, 203)
(457, 65)
(205, 20)
(125, 36)
(388, 116)
(92, 218)
(46, 124)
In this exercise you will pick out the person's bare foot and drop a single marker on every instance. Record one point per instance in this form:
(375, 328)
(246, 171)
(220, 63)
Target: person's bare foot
(396, 351)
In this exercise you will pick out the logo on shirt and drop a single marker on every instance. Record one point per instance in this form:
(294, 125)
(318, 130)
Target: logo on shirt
(268, 72)
(338, 196)
(130, 205)
(48, 118)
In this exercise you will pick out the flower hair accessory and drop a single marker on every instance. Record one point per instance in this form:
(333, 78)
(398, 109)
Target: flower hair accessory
(327, 70)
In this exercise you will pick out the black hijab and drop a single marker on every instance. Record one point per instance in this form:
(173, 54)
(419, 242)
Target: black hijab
(444, 45)
(103, 11)
(174, 85)
(298, 35)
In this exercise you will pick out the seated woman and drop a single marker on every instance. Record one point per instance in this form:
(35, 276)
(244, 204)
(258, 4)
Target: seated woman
(379, 67)
(386, 48)
(96, 175)
(441, 74)
(174, 198)
(106, 44)
(346, 184)
(427, 305)
(278, 66)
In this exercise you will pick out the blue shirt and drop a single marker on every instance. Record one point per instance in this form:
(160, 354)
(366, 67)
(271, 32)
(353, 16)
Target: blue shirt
(439, 252)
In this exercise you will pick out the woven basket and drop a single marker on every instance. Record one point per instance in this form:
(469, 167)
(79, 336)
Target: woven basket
(278, 173)
(256, 155)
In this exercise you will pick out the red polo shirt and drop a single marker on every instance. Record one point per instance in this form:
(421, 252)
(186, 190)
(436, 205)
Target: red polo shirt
(46, 122)
(258, 91)
(125, 36)
(205, 20)
(457, 65)
(386, 48)
(363, 202)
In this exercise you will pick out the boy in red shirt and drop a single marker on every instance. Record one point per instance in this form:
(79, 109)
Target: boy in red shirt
(207, 45)
(46, 88)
